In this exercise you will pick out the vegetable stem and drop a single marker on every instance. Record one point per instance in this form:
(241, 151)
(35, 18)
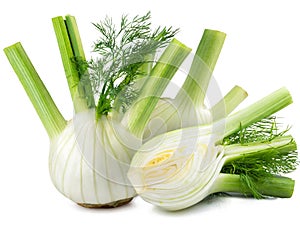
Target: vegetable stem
(230, 101)
(202, 66)
(74, 36)
(84, 85)
(144, 70)
(44, 105)
(255, 112)
(274, 186)
(280, 144)
(146, 67)
(70, 47)
(160, 75)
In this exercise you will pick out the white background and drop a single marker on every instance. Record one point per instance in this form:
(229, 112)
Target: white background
(261, 54)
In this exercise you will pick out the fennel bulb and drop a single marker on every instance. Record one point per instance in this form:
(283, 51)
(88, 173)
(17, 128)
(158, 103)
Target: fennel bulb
(180, 168)
(91, 153)
(76, 167)
(89, 160)
(188, 108)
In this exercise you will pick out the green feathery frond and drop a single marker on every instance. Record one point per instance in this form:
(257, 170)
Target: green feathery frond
(254, 168)
(122, 51)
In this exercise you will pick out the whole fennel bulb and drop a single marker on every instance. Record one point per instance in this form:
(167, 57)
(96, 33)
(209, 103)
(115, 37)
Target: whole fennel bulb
(91, 153)
(88, 161)
(188, 107)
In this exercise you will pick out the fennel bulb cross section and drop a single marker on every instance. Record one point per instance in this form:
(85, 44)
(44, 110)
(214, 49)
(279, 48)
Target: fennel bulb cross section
(180, 171)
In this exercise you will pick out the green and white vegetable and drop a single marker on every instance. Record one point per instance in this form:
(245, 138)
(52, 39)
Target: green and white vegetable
(91, 153)
(188, 107)
(180, 168)
(124, 139)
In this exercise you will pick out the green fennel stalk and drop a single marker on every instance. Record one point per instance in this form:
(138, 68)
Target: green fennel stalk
(70, 47)
(48, 112)
(275, 186)
(208, 52)
(159, 77)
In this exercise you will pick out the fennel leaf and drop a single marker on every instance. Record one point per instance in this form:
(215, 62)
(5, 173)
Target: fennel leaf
(122, 51)
(264, 130)
(256, 168)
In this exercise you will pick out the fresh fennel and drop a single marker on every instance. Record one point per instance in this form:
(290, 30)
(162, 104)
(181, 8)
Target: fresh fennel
(91, 153)
(116, 97)
(123, 53)
(180, 168)
(188, 107)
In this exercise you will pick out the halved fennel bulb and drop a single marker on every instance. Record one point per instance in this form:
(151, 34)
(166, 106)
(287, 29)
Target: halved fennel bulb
(180, 168)
(89, 160)
(176, 170)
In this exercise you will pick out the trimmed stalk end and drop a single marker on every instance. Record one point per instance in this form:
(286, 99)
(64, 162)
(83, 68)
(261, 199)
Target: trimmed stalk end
(273, 186)
(259, 110)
